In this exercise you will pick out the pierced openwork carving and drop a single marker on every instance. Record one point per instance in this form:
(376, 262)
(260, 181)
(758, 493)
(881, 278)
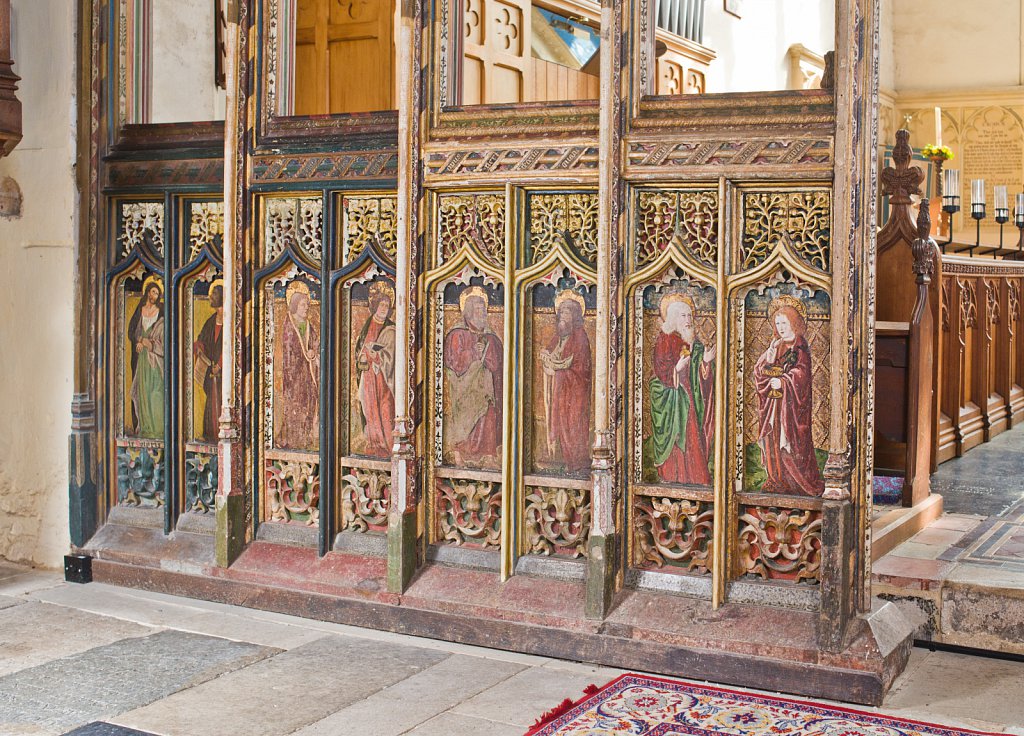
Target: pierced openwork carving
(293, 491)
(475, 221)
(557, 521)
(364, 500)
(470, 512)
(563, 218)
(690, 217)
(200, 481)
(780, 544)
(142, 222)
(140, 476)
(295, 223)
(206, 228)
(802, 219)
(677, 532)
(370, 220)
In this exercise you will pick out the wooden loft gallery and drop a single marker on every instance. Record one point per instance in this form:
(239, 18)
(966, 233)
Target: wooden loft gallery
(539, 324)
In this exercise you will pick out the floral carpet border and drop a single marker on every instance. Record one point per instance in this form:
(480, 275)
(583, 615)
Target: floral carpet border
(652, 706)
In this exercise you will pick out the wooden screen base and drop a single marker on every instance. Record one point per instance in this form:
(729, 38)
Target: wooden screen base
(751, 646)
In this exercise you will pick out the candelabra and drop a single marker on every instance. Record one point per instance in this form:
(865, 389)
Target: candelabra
(1018, 220)
(950, 199)
(977, 210)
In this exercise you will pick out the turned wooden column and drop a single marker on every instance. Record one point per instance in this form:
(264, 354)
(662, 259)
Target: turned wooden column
(10, 107)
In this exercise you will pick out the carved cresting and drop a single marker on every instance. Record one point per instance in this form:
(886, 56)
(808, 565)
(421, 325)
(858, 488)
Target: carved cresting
(364, 500)
(142, 222)
(470, 512)
(206, 227)
(692, 217)
(370, 220)
(557, 521)
(563, 218)
(472, 220)
(803, 219)
(675, 532)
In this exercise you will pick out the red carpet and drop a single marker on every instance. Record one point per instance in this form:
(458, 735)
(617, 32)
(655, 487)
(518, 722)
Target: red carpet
(650, 706)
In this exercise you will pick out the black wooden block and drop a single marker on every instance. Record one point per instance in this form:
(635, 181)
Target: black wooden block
(78, 568)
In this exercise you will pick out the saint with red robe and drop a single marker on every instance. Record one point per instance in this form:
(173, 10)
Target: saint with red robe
(568, 372)
(375, 364)
(782, 379)
(299, 399)
(682, 397)
(473, 360)
(207, 351)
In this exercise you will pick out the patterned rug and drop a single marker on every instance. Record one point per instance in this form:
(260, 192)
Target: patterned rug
(887, 489)
(649, 706)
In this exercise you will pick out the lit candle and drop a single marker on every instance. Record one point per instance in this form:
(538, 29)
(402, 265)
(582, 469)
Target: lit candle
(938, 126)
(999, 195)
(977, 191)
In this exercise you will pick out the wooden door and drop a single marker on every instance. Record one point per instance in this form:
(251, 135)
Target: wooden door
(344, 56)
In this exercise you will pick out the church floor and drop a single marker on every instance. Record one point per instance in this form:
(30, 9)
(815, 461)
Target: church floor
(961, 580)
(72, 655)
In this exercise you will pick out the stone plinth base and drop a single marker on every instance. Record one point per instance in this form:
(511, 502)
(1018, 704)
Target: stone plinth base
(745, 645)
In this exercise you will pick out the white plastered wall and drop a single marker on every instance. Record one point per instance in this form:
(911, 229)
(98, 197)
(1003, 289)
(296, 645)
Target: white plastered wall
(183, 84)
(752, 49)
(36, 290)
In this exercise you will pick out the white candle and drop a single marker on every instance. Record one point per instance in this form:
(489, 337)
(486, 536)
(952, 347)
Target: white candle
(949, 183)
(999, 195)
(978, 191)
(938, 126)
(1020, 204)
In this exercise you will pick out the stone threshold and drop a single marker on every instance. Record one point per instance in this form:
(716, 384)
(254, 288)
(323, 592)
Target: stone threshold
(650, 631)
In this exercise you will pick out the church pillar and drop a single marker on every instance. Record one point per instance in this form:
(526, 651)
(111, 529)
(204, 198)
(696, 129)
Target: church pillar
(602, 556)
(231, 499)
(402, 515)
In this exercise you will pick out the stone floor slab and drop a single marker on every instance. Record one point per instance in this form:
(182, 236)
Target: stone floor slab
(286, 692)
(419, 697)
(109, 600)
(106, 729)
(34, 633)
(452, 724)
(7, 602)
(106, 680)
(30, 582)
(970, 689)
(520, 699)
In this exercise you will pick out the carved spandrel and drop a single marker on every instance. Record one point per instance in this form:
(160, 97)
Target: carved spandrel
(475, 221)
(569, 219)
(690, 217)
(206, 227)
(142, 222)
(802, 219)
(370, 220)
(296, 224)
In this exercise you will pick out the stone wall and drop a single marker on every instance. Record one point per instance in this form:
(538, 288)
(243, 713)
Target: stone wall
(36, 290)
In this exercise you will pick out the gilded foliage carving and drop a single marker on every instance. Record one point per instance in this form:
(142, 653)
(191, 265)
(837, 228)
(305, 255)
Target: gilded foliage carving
(370, 220)
(690, 217)
(142, 222)
(293, 491)
(475, 221)
(364, 500)
(563, 218)
(676, 532)
(140, 476)
(557, 521)
(802, 219)
(296, 224)
(200, 481)
(206, 227)
(470, 512)
(780, 544)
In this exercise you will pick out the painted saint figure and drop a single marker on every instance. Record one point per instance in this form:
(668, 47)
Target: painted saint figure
(682, 396)
(568, 372)
(300, 373)
(375, 364)
(473, 357)
(207, 352)
(146, 333)
(782, 378)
